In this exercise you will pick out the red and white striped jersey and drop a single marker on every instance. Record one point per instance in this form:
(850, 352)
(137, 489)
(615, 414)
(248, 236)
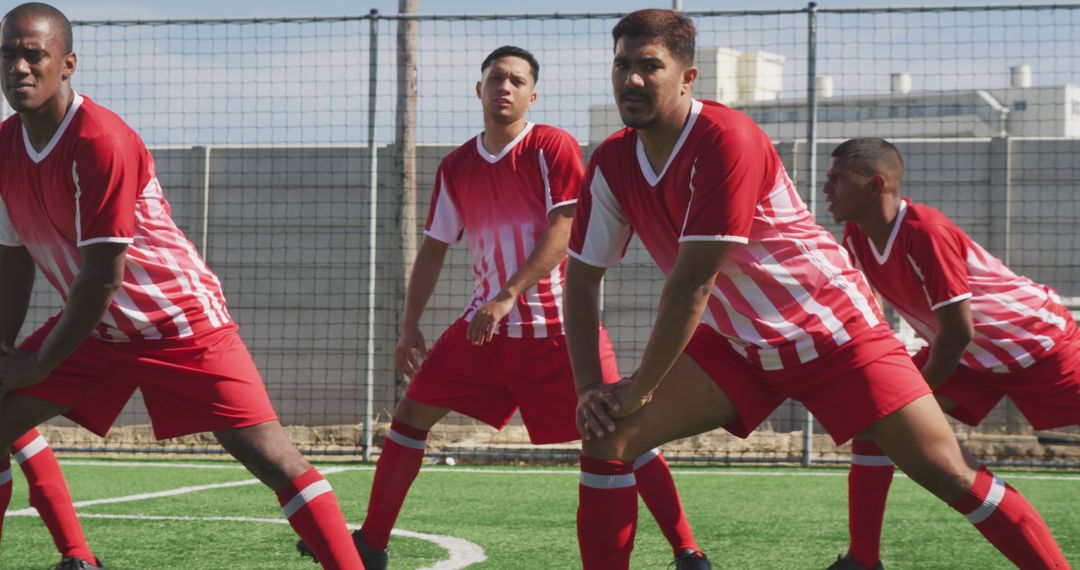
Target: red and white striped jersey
(929, 262)
(786, 293)
(94, 183)
(501, 205)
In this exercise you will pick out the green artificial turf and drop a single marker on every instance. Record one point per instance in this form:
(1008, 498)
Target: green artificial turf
(521, 518)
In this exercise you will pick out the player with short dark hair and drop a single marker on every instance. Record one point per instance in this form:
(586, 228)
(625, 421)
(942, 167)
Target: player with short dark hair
(991, 333)
(79, 197)
(760, 304)
(509, 193)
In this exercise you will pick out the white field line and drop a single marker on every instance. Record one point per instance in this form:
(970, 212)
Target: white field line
(564, 472)
(462, 553)
(167, 493)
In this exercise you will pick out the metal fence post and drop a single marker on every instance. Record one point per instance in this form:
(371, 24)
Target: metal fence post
(811, 141)
(373, 203)
(204, 213)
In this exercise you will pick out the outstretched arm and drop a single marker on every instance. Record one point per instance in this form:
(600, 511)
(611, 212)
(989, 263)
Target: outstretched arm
(956, 328)
(425, 274)
(17, 267)
(549, 252)
(684, 298)
(99, 277)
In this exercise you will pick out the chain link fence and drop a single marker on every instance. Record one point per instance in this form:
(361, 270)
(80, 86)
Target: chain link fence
(284, 149)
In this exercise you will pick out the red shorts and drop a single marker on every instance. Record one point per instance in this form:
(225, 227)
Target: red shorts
(1047, 392)
(189, 385)
(490, 381)
(847, 390)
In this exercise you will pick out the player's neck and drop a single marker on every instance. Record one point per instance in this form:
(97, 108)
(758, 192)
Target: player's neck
(660, 140)
(879, 226)
(42, 123)
(497, 135)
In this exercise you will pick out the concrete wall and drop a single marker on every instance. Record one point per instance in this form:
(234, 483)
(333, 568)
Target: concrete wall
(287, 234)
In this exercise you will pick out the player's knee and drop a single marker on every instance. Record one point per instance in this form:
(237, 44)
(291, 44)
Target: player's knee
(267, 454)
(417, 415)
(610, 446)
(948, 479)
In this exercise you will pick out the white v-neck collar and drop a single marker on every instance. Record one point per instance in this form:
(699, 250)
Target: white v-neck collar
(493, 158)
(643, 159)
(36, 156)
(883, 257)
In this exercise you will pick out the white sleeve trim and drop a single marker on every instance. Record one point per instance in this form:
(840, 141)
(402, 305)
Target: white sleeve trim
(591, 262)
(92, 241)
(8, 236)
(438, 237)
(734, 239)
(446, 219)
(561, 204)
(955, 299)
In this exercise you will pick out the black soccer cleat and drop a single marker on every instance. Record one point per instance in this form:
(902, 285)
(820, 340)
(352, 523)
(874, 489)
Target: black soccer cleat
(848, 563)
(75, 563)
(373, 559)
(691, 560)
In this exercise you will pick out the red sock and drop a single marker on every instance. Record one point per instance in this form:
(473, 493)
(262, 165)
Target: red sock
(1010, 523)
(5, 489)
(50, 496)
(868, 488)
(657, 489)
(607, 513)
(312, 509)
(399, 463)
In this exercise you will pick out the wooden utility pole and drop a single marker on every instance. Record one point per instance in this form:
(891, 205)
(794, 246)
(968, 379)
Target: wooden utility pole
(405, 160)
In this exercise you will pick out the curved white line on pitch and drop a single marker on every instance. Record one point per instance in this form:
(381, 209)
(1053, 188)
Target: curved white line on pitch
(462, 552)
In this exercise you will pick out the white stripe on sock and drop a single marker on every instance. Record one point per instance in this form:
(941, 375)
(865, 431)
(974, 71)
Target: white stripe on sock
(608, 481)
(405, 440)
(305, 496)
(989, 504)
(871, 460)
(645, 458)
(31, 449)
(5, 476)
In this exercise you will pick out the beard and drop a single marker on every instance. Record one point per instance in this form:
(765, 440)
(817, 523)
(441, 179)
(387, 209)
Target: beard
(646, 116)
(640, 123)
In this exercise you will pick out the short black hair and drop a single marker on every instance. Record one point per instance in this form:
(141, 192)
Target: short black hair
(512, 51)
(673, 29)
(38, 10)
(872, 155)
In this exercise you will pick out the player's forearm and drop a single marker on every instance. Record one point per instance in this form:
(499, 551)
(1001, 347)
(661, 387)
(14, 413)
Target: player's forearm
(581, 319)
(88, 299)
(549, 252)
(422, 280)
(956, 328)
(945, 355)
(17, 268)
(681, 305)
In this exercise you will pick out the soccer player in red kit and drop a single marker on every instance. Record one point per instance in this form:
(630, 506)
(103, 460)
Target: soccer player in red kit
(80, 199)
(760, 304)
(510, 193)
(991, 333)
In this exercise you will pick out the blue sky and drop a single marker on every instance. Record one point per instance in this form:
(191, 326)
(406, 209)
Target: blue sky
(159, 9)
(306, 83)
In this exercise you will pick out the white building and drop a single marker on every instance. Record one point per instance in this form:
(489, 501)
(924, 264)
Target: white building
(753, 83)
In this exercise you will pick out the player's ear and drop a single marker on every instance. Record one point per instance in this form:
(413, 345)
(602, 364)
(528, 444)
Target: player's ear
(689, 75)
(877, 184)
(532, 98)
(70, 63)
